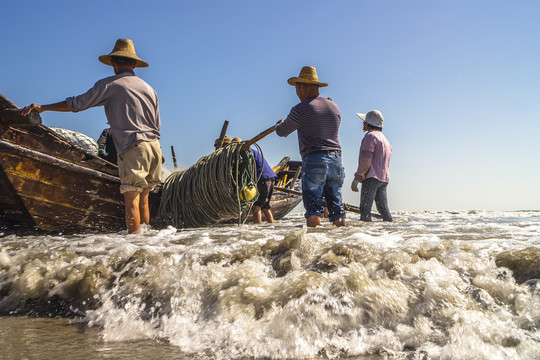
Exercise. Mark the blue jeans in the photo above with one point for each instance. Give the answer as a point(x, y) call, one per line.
point(322, 176)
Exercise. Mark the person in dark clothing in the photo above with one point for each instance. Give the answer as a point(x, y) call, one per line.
point(265, 186)
point(106, 148)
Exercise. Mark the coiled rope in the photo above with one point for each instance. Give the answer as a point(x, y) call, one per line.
point(212, 190)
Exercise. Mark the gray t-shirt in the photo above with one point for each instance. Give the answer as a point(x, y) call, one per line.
point(131, 107)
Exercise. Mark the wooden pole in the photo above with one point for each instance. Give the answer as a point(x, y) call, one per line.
point(222, 135)
point(347, 207)
point(174, 158)
point(259, 137)
point(289, 191)
point(296, 175)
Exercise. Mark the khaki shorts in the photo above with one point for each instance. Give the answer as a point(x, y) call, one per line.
point(140, 167)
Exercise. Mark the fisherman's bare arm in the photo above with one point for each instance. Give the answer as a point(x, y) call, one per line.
point(59, 106)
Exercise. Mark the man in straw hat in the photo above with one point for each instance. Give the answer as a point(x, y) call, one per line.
point(132, 110)
point(373, 163)
point(316, 120)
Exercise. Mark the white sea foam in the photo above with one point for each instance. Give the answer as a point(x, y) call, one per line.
point(439, 284)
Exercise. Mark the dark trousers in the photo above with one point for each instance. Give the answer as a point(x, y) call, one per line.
point(374, 190)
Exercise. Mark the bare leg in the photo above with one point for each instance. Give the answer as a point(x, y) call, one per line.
point(144, 208)
point(268, 215)
point(257, 216)
point(133, 216)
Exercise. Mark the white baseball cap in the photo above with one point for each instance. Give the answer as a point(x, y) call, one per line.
point(373, 118)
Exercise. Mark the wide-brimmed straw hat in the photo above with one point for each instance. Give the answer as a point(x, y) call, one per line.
point(308, 75)
point(123, 48)
point(373, 118)
point(226, 141)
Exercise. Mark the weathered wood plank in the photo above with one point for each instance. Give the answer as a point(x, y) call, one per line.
point(12, 210)
point(55, 217)
point(5, 103)
point(42, 140)
point(13, 117)
point(56, 192)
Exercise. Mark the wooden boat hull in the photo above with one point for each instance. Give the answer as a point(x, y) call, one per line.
point(52, 184)
point(282, 204)
point(289, 175)
point(60, 195)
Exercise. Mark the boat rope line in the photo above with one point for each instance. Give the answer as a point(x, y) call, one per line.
point(220, 186)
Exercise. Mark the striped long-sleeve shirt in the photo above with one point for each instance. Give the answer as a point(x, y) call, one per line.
point(317, 123)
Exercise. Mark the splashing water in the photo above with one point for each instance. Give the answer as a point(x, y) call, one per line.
point(430, 285)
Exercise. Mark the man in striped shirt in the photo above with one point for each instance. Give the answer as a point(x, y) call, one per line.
point(316, 120)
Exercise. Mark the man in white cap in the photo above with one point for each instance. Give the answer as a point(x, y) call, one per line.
point(132, 110)
point(316, 120)
point(373, 164)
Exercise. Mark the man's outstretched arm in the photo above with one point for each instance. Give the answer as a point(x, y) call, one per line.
point(59, 106)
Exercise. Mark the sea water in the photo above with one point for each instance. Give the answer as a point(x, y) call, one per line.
point(430, 285)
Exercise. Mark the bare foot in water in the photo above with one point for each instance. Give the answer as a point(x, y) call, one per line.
point(339, 222)
point(313, 221)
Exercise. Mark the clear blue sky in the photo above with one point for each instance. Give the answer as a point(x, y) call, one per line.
point(456, 81)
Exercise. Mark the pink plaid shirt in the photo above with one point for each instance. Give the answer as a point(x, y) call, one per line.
point(374, 157)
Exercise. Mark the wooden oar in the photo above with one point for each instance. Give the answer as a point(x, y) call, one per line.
point(265, 133)
point(347, 207)
point(222, 135)
point(175, 164)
